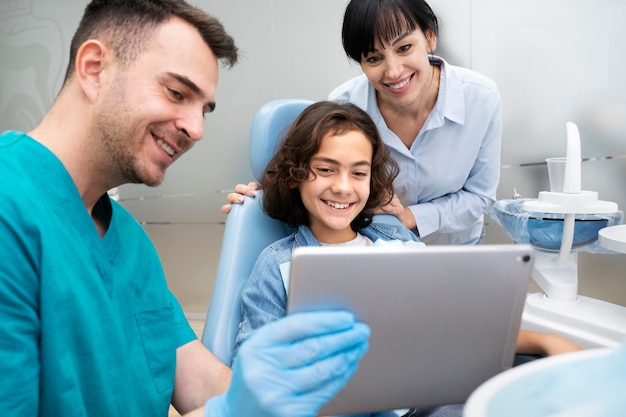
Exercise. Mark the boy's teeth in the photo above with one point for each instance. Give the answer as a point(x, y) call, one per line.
point(338, 205)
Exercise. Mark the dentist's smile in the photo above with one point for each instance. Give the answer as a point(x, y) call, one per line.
point(168, 149)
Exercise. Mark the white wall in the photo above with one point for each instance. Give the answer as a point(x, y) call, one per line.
point(554, 61)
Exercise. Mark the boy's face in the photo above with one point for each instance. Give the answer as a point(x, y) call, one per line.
point(338, 185)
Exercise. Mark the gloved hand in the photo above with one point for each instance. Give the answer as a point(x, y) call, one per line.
point(293, 366)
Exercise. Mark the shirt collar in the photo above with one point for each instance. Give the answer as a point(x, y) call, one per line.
point(304, 237)
point(451, 99)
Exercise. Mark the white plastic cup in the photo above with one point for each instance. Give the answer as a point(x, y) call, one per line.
point(556, 173)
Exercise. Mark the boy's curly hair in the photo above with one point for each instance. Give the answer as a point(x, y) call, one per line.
point(290, 166)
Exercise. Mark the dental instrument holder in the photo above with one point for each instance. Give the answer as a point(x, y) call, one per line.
point(587, 321)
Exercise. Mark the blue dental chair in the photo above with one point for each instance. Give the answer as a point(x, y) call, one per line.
point(248, 231)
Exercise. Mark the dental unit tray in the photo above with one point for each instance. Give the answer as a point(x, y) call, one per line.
point(559, 224)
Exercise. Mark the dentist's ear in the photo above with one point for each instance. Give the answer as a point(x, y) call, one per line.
point(93, 58)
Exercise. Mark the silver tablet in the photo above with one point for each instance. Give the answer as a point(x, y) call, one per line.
point(444, 319)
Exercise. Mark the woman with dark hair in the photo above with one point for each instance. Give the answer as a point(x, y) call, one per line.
point(441, 123)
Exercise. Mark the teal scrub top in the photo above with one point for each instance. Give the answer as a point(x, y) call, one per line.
point(88, 326)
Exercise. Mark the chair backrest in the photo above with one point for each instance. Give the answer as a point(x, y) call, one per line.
point(248, 231)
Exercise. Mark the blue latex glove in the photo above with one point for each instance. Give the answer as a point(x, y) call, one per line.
point(293, 366)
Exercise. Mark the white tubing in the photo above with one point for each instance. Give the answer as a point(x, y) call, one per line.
point(571, 181)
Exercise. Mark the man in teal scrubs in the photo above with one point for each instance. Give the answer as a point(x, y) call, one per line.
point(88, 326)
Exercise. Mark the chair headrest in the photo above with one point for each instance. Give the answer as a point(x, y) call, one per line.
point(268, 128)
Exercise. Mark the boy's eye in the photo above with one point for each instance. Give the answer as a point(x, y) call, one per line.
point(323, 170)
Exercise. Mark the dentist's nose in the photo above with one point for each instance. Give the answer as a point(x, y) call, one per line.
point(192, 124)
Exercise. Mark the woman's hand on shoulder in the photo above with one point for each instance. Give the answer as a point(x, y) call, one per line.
point(236, 197)
point(404, 214)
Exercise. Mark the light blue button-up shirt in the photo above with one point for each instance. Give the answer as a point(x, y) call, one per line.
point(449, 176)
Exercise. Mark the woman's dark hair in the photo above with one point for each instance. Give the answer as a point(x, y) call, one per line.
point(126, 25)
point(291, 164)
point(367, 21)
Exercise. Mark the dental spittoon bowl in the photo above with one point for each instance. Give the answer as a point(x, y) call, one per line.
point(589, 383)
point(545, 230)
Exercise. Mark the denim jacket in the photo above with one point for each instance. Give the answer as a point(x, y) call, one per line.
point(264, 297)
